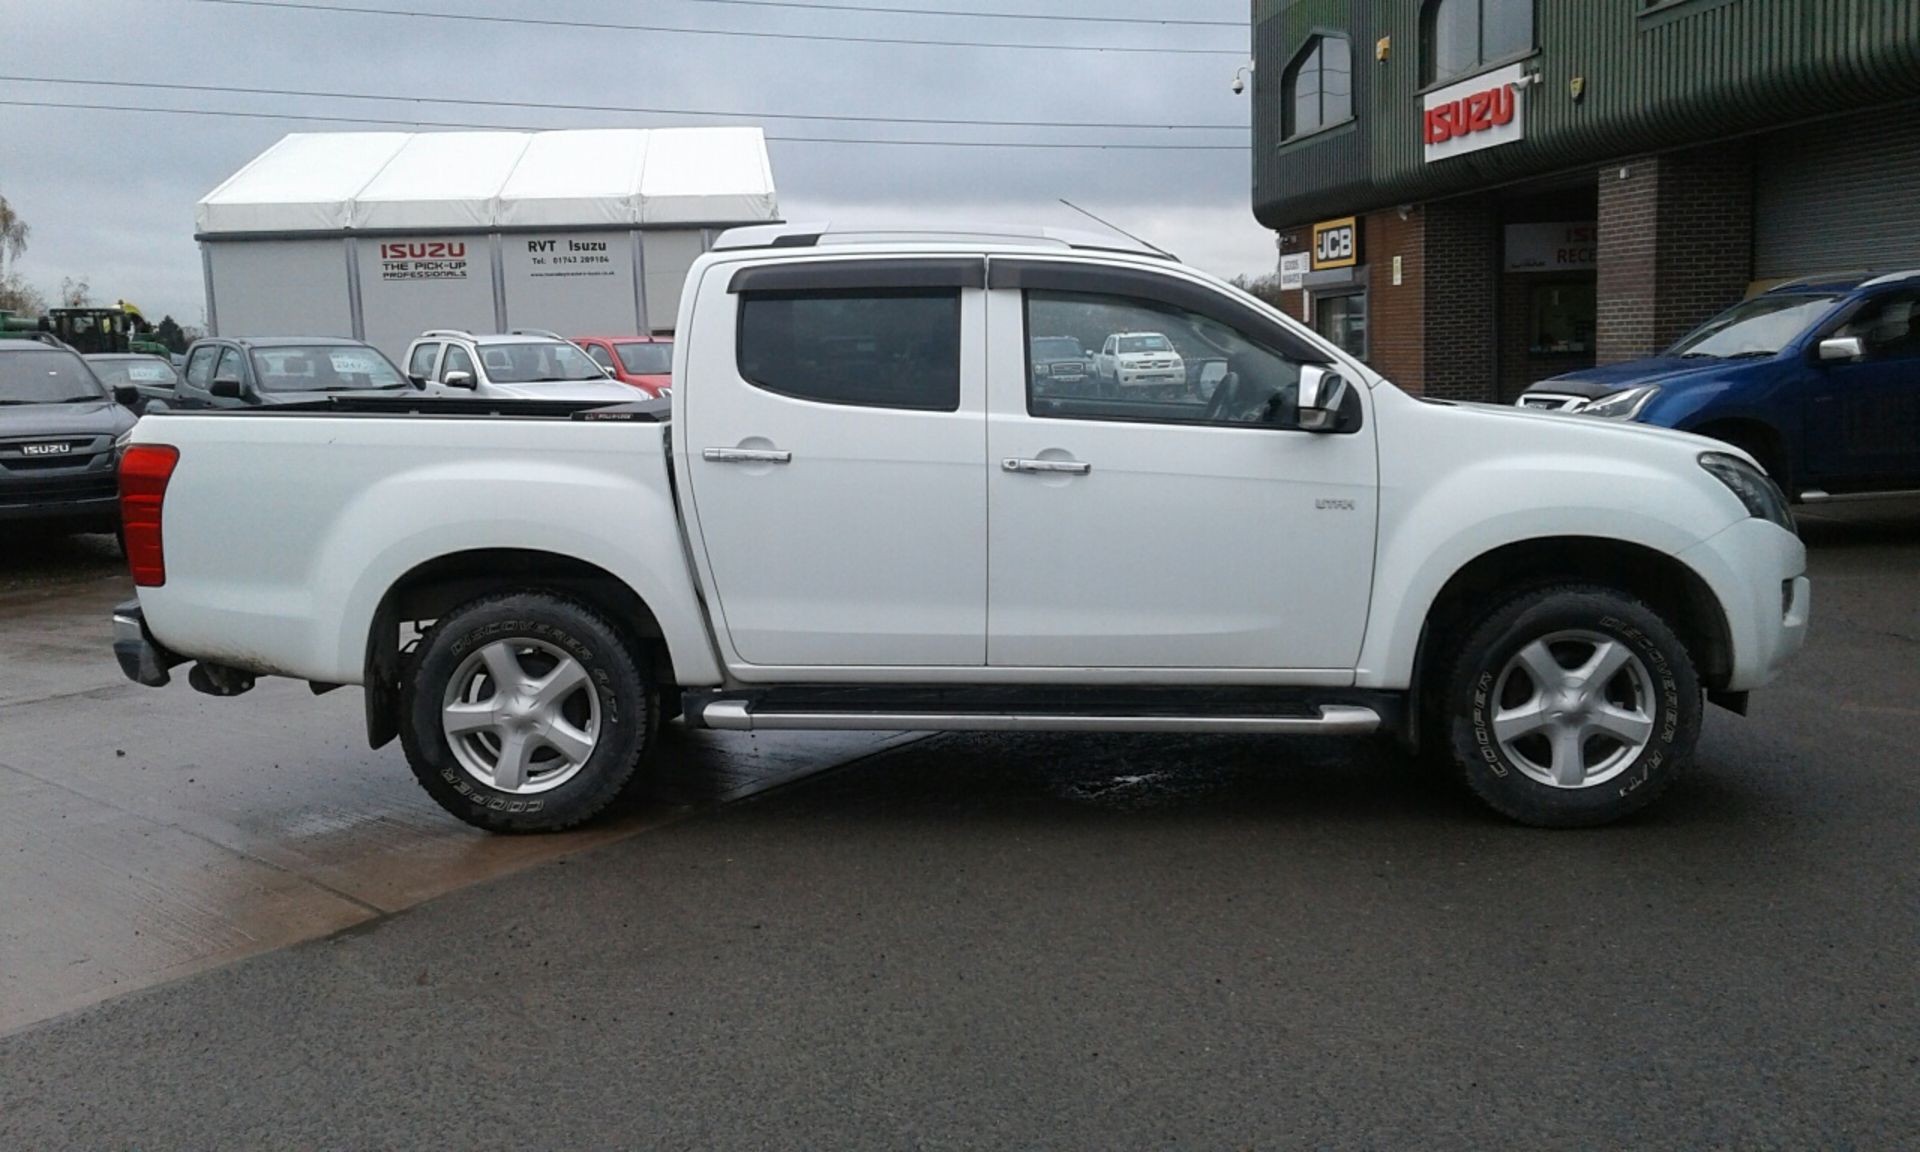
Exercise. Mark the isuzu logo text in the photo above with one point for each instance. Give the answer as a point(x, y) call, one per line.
point(46, 449)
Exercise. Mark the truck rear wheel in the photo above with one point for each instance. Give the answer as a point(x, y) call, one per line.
point(1572, 706)
point(526, 712)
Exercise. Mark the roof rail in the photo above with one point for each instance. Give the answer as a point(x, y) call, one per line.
point(538, 332)
point(1819, 278)
point(819, 235)
point(461, 333)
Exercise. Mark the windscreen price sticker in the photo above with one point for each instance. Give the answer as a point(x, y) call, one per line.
point(565, 256)
point(423, 260)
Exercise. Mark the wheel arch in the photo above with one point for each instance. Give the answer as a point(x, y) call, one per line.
point(1766, 442)
point(435, 587)
point(1680, 595)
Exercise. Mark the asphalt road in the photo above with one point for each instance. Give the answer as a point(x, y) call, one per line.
point(1105, 943)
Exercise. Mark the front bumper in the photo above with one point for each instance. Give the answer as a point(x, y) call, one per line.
point(1758, 571)
point(141, 657)
point(99, 510)
point(1153, 377)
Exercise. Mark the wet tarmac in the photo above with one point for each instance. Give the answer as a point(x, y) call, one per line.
point(1057, 941)
point(148, 834)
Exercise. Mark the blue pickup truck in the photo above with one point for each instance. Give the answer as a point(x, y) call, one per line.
point(1819, 379)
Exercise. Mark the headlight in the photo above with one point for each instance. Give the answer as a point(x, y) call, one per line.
point(1762, 496)
point(1623, 405)
point(1042, 370)
point(120, 443)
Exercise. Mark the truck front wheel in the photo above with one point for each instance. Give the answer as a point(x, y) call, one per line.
point(526, 712)
point(1572, 706)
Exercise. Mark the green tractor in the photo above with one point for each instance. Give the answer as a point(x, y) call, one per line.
point(93, 330)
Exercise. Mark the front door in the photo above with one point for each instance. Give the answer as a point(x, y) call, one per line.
point(1863, 418)
point(1189, 527)
point(837, 450)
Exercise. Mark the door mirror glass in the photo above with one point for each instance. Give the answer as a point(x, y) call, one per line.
point(1323, 392)
point(226, 386)
point(1842, 349)
point(459, 379)
point(1212, 372)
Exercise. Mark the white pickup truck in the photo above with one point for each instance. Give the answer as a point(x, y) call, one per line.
point(856, 512)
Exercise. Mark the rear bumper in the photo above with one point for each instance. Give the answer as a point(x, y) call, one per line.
point(141, 657)
point(1758, 571)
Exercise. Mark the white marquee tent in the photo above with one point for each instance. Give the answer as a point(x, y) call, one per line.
point(381, 235)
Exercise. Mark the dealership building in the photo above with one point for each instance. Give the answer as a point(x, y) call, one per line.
point(1474, 195)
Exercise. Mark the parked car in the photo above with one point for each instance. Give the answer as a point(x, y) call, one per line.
point(152, 377)
point(646, 362)
point(1819, 380)
point(59, 434)
point(263, 371)
point(1140, 359)
point(1060, 364)
point(520, 365)
point(872, 520)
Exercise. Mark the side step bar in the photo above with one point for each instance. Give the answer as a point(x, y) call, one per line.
point(1325, 720)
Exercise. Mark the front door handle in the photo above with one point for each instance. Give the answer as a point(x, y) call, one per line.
point(747, 456)
point(1060, 467)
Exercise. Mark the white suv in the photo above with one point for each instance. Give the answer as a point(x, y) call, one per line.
point(525, 364)
point(1140, 360)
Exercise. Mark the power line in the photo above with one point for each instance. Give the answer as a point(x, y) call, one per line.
point(873, 142)
point(605, 26)
point(1164, 22)
point(227, 89)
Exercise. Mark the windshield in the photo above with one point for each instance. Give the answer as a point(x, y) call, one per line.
point(147, 370)
point(1155, 343)
point(534, 361)
point(1057, 348)
point(323, 369)
point(646, 359)
point(49, 377)
point(1756, 328)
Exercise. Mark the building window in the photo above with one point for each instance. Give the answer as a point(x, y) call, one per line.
point(1342, 318)
point(1561, 319)
point(1318, 86)
point(1462, 36)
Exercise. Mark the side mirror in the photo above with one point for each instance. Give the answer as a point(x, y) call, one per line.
point(457, 379)
point(1322, 393)
point(1842, 349)
point(416, 381)
point(127, 396)
point(225, 387)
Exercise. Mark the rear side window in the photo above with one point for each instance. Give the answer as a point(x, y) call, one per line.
point(873, 348)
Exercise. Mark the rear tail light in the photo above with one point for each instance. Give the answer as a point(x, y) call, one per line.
point(144, 472)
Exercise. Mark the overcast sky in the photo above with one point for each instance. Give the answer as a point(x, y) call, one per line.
point(110, 195)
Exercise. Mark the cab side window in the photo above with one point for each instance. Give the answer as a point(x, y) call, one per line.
point(600, 356)
point(874, 348)
point(457, 361)
point(200, 366)
point(420, 364)
point(1165, 364)
point(1889, 327)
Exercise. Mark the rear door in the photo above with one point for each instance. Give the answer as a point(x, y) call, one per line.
point(1863, 418)
point(836, 447)
point(1189, 528)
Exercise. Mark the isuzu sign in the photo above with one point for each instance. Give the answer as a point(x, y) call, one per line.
point(423, 260)
point(1336, 243)
point(1482, 112)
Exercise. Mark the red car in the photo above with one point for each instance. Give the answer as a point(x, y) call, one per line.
point(646, 362)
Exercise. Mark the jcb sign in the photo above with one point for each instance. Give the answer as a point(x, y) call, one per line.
point(1336, 244)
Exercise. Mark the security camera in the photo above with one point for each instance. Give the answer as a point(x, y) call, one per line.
point(1239, 85)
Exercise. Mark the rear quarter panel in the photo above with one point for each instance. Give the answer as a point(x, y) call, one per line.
point(282, 534)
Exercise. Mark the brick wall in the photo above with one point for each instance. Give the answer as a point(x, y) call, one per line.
point(1676, 246)
point(1396, 316)
point(1460, 268)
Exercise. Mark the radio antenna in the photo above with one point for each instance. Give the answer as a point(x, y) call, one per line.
point(1112, 227)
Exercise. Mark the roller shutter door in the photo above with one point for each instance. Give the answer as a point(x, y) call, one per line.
point(1839, 196)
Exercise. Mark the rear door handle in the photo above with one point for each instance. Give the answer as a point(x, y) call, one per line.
point(1061, 467)
point(747, 456)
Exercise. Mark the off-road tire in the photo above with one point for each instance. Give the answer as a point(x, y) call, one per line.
point(629, 712)
point(1468, 708)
